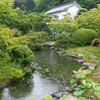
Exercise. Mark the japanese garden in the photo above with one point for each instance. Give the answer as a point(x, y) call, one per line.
point(43, 57)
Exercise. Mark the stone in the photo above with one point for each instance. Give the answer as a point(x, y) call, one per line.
point(59, 53)
point(69, 89)
point(79, 56)
point(89, 64)
point(82, 68)
point(70, 97)
point(64, 55)
point(65, 93)
point(80, 60)
point(57, 95)
point(98, 66)
point(51, 47)
point(61, 49)
point(56, 49)
point(73, 56)
point(92, 57)
point(74, 85)
point(74, 72)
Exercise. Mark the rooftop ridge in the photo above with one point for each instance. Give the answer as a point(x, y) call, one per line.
point(64, 4)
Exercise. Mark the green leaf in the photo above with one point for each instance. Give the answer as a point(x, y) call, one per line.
point(47, 97)
point(89, 80)
point(91, 67)
point(77, 88)
point(96, 88)
point(81, 98)
point(73, 80)
point(77, 93)
point(81, 86)
point(89, 71)
point(80, 75)
point(63, 98)
point(88, 85)
point(97, 94)
point(84, 72)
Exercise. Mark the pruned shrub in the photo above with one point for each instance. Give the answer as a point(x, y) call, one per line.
point(65, 41)
point(21, 54)
point(85, 36)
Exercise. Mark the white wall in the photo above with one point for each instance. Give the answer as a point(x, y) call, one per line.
point(72, 10)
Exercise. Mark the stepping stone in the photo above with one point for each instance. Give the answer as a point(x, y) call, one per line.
point(92, 57)
point(89, 64)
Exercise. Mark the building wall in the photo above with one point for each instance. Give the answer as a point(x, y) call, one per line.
point(72, 10)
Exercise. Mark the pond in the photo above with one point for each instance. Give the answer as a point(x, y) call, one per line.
point(53, 73)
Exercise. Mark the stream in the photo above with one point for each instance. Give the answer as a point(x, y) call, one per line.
point(53, 73)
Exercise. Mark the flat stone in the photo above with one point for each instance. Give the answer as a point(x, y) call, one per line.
point(61, 49)
point(70, 97)
point(82, 68)
point(59, 53)
point(73, 56)
point(80, 60)
point(65, 93)
point(56, 49)
point(64, 55)
point(51, 47)
point(89, 64)
point(92, 57)
point(57, 95)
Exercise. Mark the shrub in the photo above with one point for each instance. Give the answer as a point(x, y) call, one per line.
point(21, 54)
point(65, 41)
point(85, 36)
point(95, 42)
point(35, 46)
point(3, 43)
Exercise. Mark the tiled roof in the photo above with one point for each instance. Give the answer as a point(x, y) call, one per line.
point(62, 7)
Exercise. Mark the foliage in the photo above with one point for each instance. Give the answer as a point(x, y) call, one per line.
point(65, 41)
point(85, 36)
point(47, 97)
point(21, 54)
point(3, 43)
point(87, 84)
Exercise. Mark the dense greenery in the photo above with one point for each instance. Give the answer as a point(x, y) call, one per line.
point(44, 5)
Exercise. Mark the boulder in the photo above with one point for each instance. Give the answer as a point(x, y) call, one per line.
point(57, 95)
point(89, 64)
point(92, 57)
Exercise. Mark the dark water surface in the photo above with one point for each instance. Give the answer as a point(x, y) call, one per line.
point(53, 74)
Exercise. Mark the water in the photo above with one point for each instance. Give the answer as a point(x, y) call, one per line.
point(54, 74)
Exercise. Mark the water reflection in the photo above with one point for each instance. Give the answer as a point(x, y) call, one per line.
point(54, 75)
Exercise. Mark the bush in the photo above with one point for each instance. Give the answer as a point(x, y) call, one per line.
point(65, 41)
point(3, 43)
point(85, 36)
point(21, 54)
point(35, 46)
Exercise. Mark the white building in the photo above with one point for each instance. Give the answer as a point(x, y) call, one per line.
point(72, 7)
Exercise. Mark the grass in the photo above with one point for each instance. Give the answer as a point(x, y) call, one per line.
point(87, 50)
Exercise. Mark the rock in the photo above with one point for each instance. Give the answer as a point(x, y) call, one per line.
point(74, 72)
point(64, 55)
point(61, 49)
point(69, 89)
point(73, 56)
point(80, 60)
point(59, 53)
point(51, 47)
point(70, 97)
point(82, 68)
point(89, 64)
point(57, 94)
point(65, 93)
point(79, 56)
point(92, 57)
point(56, 49)
point(98, 66)
point(60, 90)
point(74, 85)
